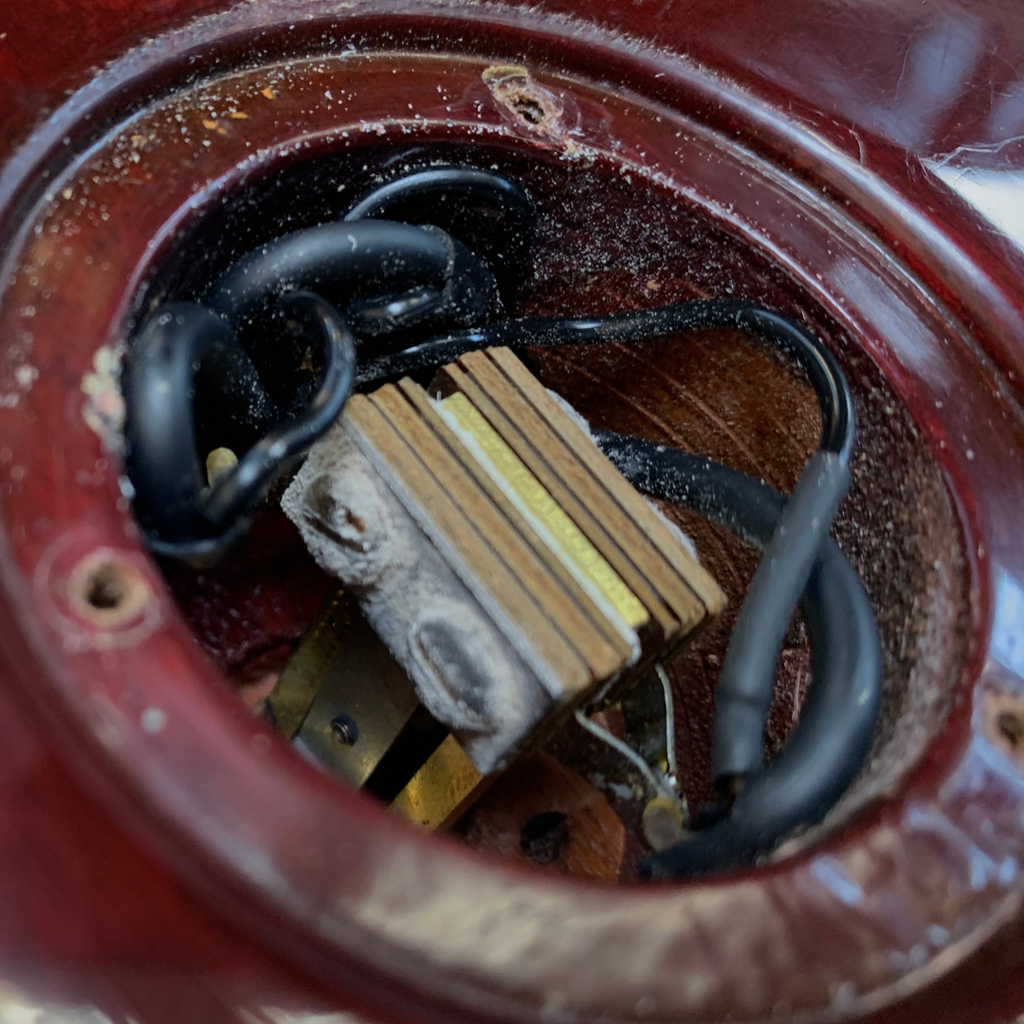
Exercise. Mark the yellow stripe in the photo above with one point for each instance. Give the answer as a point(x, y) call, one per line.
point(568, 540)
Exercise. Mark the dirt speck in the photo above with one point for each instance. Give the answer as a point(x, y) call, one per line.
point(103, 411)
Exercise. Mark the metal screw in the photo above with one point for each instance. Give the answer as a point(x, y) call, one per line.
point(344, 729)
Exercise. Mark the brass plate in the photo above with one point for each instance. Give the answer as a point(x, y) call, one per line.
point(366, 684)
point(290, 700)
point(442, 789)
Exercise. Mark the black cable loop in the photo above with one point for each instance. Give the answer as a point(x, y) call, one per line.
point(392, 277)
point(493, 216)
point(261, 464)
point(829, 743)
point(181, 515)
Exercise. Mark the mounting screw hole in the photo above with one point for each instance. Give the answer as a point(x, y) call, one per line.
point(106, 587)
point(1011, 728)
point(344, 730)
point(108, 591)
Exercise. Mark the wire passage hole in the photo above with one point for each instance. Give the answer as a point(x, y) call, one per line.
point(545, 836)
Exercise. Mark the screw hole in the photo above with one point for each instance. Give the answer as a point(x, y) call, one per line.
point(1011, 728)
point(107, 591)
point(106, 588)
point(544, 837)
point(529, 109)
point(344, 729)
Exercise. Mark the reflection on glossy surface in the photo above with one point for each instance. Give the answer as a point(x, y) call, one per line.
point(888, 84)
point(1007, 643)
point(17, 1007)
point(998, 195)
point(942, 80)
point(275, 1016)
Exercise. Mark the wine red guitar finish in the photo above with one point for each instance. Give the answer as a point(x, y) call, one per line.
point(163, 855)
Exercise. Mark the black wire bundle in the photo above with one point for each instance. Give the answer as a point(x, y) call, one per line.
point(396, 281)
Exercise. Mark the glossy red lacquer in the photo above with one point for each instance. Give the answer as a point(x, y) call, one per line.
point(162, 854)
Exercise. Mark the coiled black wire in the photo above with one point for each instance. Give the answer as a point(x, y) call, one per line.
point(192, 364)
point(181, 516)
point(837, 722)
point(394, 278)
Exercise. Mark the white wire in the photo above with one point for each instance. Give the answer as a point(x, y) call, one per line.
point(659, 785)
point(670, 724)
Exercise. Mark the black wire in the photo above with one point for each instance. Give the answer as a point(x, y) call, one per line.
point(190, 366)
point(493, 216)
point(157, 382)
point(180, 516)
point(256, 470)
point(358, 260)
point(832, 738)
point(838, 421)
point(743, 696)
point(393, 277)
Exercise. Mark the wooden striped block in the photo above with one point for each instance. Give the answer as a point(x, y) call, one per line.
point(535, 521)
